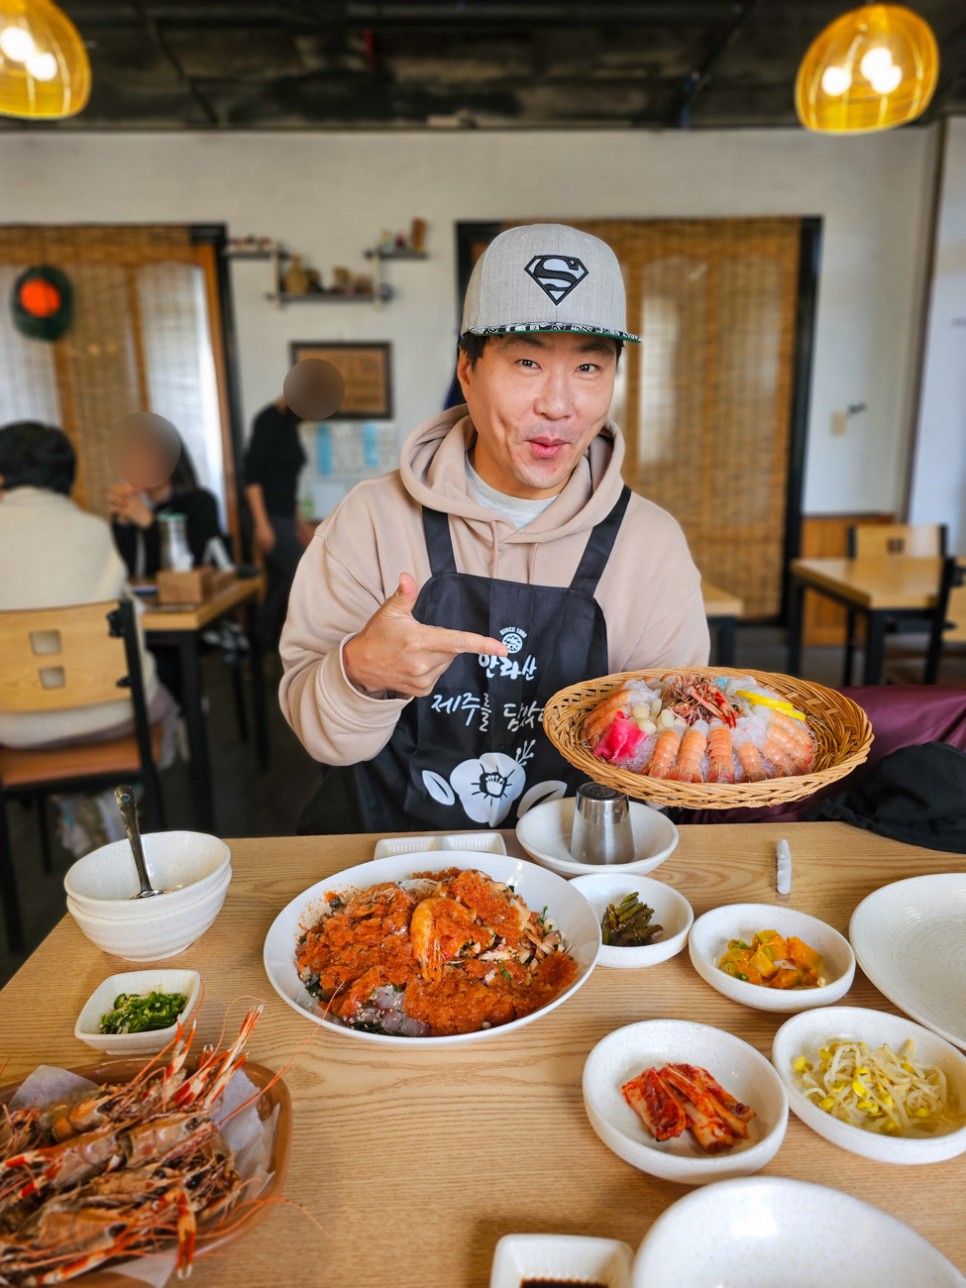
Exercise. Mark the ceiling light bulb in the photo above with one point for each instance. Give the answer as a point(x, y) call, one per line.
point(885, 82)
point(876, 63)
point(42, 67)
point(16, 44)
point(835, 81)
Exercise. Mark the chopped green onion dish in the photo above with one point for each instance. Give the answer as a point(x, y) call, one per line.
point(134, 1013)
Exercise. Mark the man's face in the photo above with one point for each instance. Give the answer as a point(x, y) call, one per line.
point(536, 402)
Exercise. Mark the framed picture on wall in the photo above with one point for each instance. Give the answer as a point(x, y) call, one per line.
point(364, 366)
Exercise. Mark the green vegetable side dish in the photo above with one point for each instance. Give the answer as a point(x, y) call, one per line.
point(628, 924)
point(134, 1013)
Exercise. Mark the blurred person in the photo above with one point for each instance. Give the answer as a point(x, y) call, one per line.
point(135, 511)
point(273, 461)
point(440, 607)
point(54, 554)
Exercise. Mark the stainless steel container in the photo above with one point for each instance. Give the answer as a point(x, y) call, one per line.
point(602, 830)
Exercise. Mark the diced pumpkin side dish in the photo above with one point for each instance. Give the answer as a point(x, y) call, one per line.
point(773, 961)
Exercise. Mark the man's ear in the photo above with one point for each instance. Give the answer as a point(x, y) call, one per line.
point(464, 372)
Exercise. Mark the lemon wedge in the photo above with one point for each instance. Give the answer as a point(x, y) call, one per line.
point(777, 704)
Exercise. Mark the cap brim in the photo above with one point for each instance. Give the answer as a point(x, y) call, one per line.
point(538, 328)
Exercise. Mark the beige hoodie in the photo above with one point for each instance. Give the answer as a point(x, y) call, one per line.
point(650, 592)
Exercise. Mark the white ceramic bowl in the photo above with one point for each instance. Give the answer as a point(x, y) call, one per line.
point(738, 1067)
point(568, 908)
point(560, 1258)
point(671, 910)
point(544, 832)
point(185, 864)
point(101, 1001)
point(771, 1230)
point(805, 1033)
point(709, 939)
point(151, 938)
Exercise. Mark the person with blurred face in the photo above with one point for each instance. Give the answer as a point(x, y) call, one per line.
point(440, 607)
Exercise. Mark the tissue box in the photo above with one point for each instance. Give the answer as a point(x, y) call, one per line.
point(192, 587)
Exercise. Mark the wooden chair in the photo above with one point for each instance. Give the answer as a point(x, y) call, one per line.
point(54, 660)
point(871, 540)
point(949, 626)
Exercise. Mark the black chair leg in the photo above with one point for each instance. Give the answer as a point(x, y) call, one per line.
point(8, 886)
point(849, 647)
point(45, 858)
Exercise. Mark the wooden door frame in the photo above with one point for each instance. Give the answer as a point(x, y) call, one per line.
point(227, 368)
point(469, 233)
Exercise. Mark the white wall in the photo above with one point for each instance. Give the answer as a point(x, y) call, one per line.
point(329, 195)
point(939, 469)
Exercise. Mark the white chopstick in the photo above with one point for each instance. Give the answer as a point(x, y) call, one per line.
point(783, 868)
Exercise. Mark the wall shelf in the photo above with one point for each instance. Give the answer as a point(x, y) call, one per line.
point(333, 297)
point(400, 253)
point(257, 254)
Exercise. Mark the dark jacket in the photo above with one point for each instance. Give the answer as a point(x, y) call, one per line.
point(201, 512)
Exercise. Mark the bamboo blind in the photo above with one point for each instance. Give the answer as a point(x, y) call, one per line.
point(98, 371)
point(708, 391)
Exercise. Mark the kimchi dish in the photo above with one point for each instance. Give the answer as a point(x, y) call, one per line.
point(436, 954)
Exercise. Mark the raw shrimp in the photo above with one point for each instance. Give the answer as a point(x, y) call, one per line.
point(665, 750)
point(752, 770)
point(781, 749)
point(721, 769)
point(598, 721)
point(687, 767)
point(794, 739)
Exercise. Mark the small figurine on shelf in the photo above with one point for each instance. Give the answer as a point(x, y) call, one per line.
point(400, 241)
point(315, 282)
point(386, 242)
point(341, 280)
point(417, 237)
point(296, 279)
point(362, 284)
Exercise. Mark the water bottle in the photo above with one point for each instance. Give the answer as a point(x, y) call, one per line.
point(175, 551)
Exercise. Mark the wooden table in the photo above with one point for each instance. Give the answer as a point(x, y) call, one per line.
point(878, 589)
point(722, 610)
point(414, 1163)
point(179, 626)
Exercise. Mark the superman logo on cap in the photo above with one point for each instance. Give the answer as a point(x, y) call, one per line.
point(556, 275)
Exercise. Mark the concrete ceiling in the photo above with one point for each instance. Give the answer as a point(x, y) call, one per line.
point(505, 64)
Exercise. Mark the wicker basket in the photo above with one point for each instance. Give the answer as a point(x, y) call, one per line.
point(840, 727)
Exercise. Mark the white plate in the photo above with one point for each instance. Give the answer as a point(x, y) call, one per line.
point(709, 939)
point(568, 1258)
point(739, 1068)
point(792, 1234)
point(489, 842)
point(910, 939)
point(671, 910)
point(569, 909)
point(544, 832)
point(805, 1033)
point(101, 1001)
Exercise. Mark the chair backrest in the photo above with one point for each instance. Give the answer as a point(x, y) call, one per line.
point(921, 540)
point(954, 631)
point(56, 659)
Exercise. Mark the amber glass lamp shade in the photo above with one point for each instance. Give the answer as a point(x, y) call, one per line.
point(44, 70)
point(872, 69)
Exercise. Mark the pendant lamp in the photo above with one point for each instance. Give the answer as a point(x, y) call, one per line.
point(44, 70)
point(874, 68)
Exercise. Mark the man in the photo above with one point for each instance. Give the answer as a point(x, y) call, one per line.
point(273, 461)
point(439, 608)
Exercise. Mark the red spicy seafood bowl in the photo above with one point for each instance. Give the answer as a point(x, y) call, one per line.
point(433, 949)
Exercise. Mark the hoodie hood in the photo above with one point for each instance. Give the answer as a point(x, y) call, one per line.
point(433, 471)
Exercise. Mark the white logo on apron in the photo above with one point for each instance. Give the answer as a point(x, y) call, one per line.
point(487, 785)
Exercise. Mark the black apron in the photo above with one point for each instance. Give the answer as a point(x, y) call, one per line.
point(473, 753)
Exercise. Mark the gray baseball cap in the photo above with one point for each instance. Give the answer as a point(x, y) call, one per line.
point(546, 277)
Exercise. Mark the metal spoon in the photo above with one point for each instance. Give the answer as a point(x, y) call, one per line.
point(129, 813)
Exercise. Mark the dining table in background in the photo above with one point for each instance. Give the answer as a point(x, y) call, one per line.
point(878, 588)
point(409, 1164)
point(722, 609)
point(180, 626)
